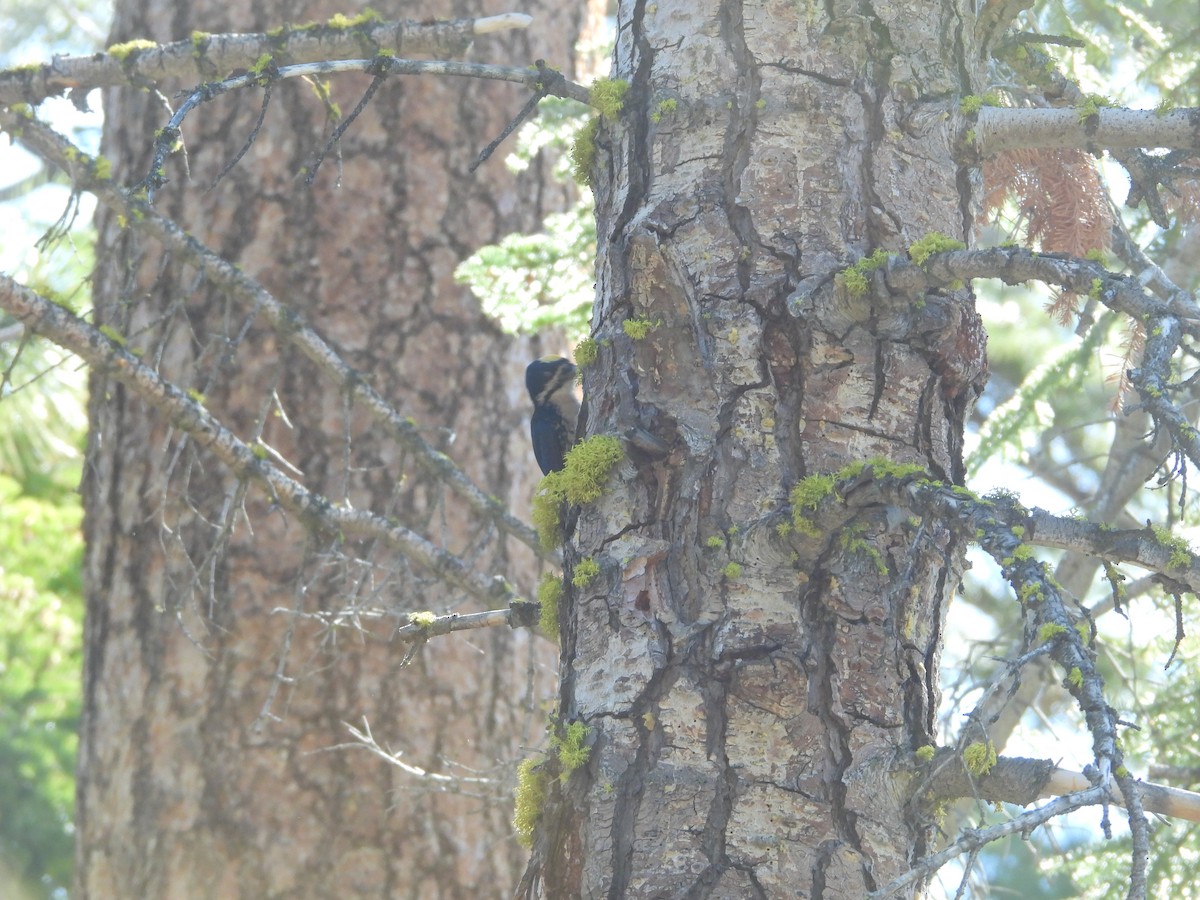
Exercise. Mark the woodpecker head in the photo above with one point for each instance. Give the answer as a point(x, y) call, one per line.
point(548, 375)
point(551, 385)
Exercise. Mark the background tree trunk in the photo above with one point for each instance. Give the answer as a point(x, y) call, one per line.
point(206, 711)
point(747, 689)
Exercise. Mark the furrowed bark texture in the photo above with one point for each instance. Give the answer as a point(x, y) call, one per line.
point(202, 771)
point(744, 716)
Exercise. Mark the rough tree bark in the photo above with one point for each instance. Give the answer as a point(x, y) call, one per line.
point(749, 679)
point(200, 768)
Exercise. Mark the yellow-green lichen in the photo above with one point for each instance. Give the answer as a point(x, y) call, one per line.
point(665, 108)
point(261, 64)
point(586, 352)
point(608, 96)
point(732, 571)
point(529, 798)
point(123, 51)
point(980, 757)
point(972, 103)
point(199, 43)
point(113, 335)
point(715, 541)
point(1091, 106)
point(1181, 553)
point(932, 243)
point(423, 619)
point(852, 541)
point(925, 754)
point(881, 467)
point(1075, 677)
point(806, 496)
point(583, 152)
point(549, 593)
point(342, 22)
point(1049, 631)
point(1030, 592)
point(570, 746)
point(638, 327)
point(855, 280)
point(648, 720)
point(585, 572)
point(581, 480)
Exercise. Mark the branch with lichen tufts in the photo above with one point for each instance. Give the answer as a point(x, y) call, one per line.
point(134, 63)
point(89, 174)
point(247, 462)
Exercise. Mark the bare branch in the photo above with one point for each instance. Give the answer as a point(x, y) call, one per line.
point(69, 331)
point(540, 79)
point(973, 839)
point(422, 626)
point(998, 128)
point(87, 174)
point(207, 55)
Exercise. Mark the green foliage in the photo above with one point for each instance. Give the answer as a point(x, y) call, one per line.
point(529, 282)
point(41, 610)
point(1029, 410)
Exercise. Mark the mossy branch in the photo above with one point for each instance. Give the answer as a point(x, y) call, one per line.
point(85, 173)
point(207, 55)
point(316, 511)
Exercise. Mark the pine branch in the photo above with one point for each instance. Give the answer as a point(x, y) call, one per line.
point(87, 174)
point(1021, 781)
point(974, 839)
point(998, 129)
point(188, 415)
point(207, 55)
point(541, 79)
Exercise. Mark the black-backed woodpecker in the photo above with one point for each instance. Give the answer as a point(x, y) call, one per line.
point(551, 384)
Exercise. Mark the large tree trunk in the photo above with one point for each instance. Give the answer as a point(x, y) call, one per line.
point(225, 646)
point(744, 717)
